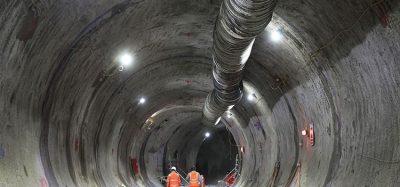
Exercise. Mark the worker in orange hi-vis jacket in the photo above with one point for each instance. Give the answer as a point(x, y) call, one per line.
point(173, 179)
point(194, 178)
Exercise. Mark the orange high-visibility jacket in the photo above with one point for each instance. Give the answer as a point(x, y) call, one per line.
point(194, 179)
point(173, 180)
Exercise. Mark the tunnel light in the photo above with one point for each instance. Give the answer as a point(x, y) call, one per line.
point(142, 100)
point(125, 59)
point(276, 36)
point(303, 132)
point(207, 134)
point(242, 149)
point(251, 97)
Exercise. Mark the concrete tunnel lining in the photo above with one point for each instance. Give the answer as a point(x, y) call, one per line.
point(63, 126)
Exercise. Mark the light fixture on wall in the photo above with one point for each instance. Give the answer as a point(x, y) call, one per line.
point(142, 100)
point(276, 35)
point(125, 59)
point(242, 149)
point(251, 97)
point(309, 132)
point(120, 63)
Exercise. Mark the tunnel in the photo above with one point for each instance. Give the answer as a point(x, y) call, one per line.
point(112, 93)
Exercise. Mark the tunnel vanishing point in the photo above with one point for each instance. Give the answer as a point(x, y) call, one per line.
point(114, 92)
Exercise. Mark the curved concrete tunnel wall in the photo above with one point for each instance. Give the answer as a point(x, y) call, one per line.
point(68, 119)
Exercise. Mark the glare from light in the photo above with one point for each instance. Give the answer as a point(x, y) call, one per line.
point(229, 115)
point(218, 120)
point(276, 36)
point(126, 59)
point(142, 100)
point(303, 132)
point(207, 134)
point(251, 97)
point(246, 54)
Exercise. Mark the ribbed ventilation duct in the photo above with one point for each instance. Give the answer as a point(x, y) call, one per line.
point(239, 22)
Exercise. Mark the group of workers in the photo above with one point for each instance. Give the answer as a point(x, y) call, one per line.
point(193, 178)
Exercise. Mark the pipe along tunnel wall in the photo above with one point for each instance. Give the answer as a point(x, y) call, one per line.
point(70, 118)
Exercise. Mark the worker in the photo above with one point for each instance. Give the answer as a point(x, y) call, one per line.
point(229, 178)
point(194, 178)
point(173, 179)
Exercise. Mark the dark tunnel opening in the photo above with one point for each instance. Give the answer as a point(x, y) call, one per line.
point(216, 156)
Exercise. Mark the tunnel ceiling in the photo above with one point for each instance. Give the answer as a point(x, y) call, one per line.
point(70, 117)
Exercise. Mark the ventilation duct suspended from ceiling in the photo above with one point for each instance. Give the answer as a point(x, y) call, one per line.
point(238, 23)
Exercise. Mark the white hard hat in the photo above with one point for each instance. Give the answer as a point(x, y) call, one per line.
point(173, 168)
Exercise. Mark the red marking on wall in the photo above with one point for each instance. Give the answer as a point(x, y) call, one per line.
point(311, 134)
point(43, 182)
point(385, 20)
point(135, 167)
point(76, 145)
point(29, 25)
point(382, 11)
point(188, 81)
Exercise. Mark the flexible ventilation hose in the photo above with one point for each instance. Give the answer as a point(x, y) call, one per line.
point(238, 23)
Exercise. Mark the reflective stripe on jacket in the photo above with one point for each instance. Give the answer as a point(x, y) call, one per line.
point(173, 180)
